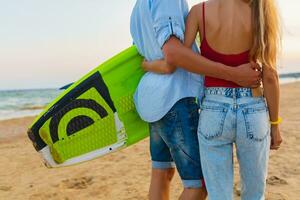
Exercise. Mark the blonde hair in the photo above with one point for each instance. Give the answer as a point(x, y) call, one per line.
point(267, 33)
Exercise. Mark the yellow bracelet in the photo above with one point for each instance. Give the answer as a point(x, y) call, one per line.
point(276, 122)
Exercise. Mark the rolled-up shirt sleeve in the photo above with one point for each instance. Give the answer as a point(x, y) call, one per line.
point(168, 19)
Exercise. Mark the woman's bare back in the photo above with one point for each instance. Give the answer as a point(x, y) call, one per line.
point(228, 27)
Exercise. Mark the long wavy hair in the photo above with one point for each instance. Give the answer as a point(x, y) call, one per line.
point(266, 32)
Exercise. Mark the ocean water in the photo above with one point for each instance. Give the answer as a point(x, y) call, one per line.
point(289, 77)
point(21, 103)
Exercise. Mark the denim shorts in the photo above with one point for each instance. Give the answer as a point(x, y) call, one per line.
point(234, 116)
point(174, 141)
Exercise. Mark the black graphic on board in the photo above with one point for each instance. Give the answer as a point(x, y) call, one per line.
point(76, 122)
point(95, 81)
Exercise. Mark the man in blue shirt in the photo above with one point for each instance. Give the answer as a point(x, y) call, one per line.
point(167, 101)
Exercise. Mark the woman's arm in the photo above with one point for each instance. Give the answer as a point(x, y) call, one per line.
point(191, 27)
point(271, 92)
point(158, 66)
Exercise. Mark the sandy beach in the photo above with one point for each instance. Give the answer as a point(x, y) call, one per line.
point(126, 174)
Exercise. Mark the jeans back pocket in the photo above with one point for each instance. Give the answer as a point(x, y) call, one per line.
point(211, 120)
point(257, 122)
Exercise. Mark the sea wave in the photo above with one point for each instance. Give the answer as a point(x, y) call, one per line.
point(33, 107)
point(21, 103)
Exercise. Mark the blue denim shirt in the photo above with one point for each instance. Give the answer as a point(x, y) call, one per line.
point(153, 22)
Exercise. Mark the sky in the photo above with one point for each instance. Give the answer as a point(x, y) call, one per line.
point(47, 44)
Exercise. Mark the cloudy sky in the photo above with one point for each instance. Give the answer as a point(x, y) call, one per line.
point(46, 44)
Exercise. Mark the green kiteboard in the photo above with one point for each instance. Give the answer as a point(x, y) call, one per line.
point(94, 116)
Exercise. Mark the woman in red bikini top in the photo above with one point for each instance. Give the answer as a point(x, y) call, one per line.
point(234, 32)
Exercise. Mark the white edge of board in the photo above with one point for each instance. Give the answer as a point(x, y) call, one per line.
point(50, 163)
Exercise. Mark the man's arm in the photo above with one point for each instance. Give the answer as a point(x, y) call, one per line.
point(177, 54)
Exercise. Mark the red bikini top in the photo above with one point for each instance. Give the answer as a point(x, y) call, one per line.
point(233, 60)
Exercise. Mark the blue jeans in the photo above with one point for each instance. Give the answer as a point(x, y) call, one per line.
point(233, 116)
point(174, 139)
